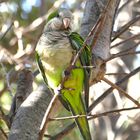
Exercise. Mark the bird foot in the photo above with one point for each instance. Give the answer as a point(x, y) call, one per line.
point(58, 89)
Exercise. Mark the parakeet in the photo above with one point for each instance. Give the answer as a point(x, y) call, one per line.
point(55, 51)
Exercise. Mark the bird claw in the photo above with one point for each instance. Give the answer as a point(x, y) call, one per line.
point(58, 89)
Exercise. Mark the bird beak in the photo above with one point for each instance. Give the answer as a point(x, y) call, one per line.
point(66, 22)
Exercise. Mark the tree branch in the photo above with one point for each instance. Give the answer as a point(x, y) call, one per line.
point(27, 112)
point(30, 115)
point(101, 49)
point(124, 41)
point(107, 92)
point(107, 113)
point(125, 27)
point(46, 116)
point(121, 91)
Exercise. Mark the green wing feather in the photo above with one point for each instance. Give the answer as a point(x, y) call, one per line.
point(77, 43)
point(41, 68)
point(42, 71)
point(85, 57)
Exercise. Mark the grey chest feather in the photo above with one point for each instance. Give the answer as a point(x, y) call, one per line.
point(56, 54)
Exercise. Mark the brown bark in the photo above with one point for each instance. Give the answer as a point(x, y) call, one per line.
point(101, 50)
point(27, 121)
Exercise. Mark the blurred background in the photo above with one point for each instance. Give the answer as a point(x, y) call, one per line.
point(21, 24)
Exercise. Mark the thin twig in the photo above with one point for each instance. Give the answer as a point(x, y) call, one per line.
point(123, 54)
point(124, 41)
point(4, 133)
point(101, 21)
point(128, 53)
point(124, 5)
point(121, 91)
point(86, 40)
point(95, 30)
point(129, 49)
point(10, 57)
point(71, 126)
point(37, 22)
point(46, 116)
point(107, 92)
point(8, 29)
point(125, 27)
point(67, 117)
point(112, 112)
point(120, 73)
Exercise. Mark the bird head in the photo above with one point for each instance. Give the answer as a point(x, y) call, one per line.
point(62, 20)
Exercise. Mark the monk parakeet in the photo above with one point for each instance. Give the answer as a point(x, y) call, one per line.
point(55, 51)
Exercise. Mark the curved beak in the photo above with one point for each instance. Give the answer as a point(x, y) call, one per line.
point(66, 22)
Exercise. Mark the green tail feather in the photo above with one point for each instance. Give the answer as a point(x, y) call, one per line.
point(77, 108)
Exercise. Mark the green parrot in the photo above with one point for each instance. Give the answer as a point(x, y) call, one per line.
point(55, 51)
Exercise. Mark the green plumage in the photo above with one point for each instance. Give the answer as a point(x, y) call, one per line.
point(55, 51)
